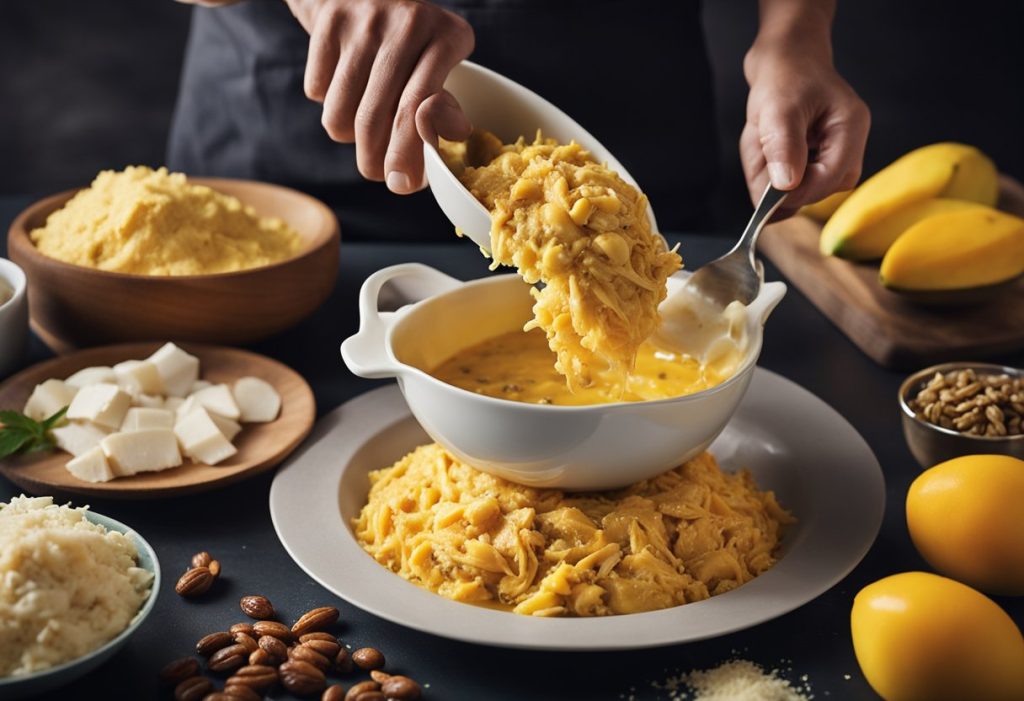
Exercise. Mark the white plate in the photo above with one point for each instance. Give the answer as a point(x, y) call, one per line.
point(794, 443)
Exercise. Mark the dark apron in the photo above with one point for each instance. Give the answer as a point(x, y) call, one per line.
point(634, 73)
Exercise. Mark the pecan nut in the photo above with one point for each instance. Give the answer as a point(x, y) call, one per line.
point(209, 644)
point(308, 654)
point(255, 676)
point(228, 658)
point(272, 628)
point(301, 677)
point(195, 582)
point(258, 607)
point(178, 671)
point(316, 619)
point(192, 689)
point(274, 647)
point(368, 658)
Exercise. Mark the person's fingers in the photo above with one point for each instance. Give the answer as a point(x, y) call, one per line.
point(756, 173)
point(842, 137)
point(782, 132)
point(753, 162)
point(403, 164)
point(324, 49)
point(440, 115)
point(346, 89)
point(376, 113)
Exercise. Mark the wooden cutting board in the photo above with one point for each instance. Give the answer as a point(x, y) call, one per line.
point(894, 332)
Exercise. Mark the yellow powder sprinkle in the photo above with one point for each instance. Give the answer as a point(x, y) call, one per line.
point(151, 222)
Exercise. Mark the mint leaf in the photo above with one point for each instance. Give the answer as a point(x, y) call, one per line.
point(12, 440)
point(14, 419)
point(20, 433)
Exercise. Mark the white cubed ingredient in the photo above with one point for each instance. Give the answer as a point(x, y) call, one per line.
point(148, 401)
point(91, 466)
point(78, 437)
point(48, 398)
point(201, 439)
point(198, 385)
point(92, 376)
point(139, 377)
point(229, 427)
point(103, 404)
point(178, 369)
point(132, 452)
point(186, 406)
point(173, 403)
point(257, 399)
point(140, 419)
point(219, 400)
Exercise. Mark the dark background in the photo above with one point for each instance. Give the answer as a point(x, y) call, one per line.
point(91, 84)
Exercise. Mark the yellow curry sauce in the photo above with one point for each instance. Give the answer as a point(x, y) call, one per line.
point(520, 366)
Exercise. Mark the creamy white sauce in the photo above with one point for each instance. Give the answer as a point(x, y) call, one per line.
point(693, 326)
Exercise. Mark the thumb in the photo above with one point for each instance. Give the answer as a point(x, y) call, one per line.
point(441, 115)
point(783, 135)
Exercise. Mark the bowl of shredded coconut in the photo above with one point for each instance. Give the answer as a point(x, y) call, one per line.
point(74, 586)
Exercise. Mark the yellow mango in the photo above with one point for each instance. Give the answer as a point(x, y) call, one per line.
point(969, 248)
point(823, 209)
point(921, 637)
point(965, 518)
point(874, 240)
point(949, 170)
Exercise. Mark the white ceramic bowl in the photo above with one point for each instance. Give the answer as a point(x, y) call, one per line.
point(13, 318)
point(590, 447)
point(507, 109)
point(28, 685)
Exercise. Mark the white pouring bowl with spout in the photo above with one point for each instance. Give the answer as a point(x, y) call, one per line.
point(593, 447)
point(508, 110)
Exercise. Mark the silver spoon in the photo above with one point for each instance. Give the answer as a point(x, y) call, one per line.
point(691, 317)
point(735, 275)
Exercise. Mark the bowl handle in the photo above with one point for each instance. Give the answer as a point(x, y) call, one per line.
point(769, 297)
point(368, 353)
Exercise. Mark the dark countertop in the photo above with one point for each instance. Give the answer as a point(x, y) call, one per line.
point(234, 524)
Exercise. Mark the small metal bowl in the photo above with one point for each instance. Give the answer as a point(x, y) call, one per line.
point(931, 444)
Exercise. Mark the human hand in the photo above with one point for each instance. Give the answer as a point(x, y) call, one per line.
point(806, 128)
point(378, 67)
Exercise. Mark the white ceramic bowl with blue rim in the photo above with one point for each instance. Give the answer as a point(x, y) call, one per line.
point(602, 446)
point(25, 686)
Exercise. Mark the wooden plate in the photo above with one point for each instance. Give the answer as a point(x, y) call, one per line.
point(261, 446)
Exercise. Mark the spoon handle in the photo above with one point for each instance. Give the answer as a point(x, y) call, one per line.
point(771, 200)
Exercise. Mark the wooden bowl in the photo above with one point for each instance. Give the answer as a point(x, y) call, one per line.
point(73, 306)
point(261, 446)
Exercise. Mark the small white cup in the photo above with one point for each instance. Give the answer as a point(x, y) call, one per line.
point(13, 318)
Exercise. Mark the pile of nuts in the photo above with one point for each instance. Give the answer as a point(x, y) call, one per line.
point(977, 405)
point(261, 655)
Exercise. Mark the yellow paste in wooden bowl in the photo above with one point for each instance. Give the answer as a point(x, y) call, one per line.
point(519, 366)
point(683, 536)
point(564, 219)
point(142, 221)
